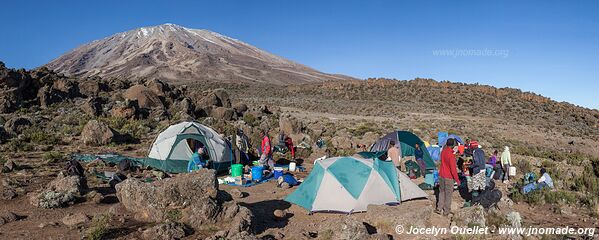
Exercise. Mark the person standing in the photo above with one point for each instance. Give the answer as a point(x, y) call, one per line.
point(447, 175)
point(419, 155)
point(266, 150)
point(289, 144)
point(478, 172)
point(395, 156)
point(506, 162)
point(492, 160)
point(242, 144)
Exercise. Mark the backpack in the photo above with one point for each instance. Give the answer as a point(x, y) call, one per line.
point(74, 168)
point(498, 173)
point(489, 198)
point(125, 165)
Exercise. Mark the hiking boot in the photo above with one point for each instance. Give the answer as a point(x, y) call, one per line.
point(437, 211)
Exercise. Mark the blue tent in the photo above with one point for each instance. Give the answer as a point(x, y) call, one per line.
point(435, 152)
point(456, 137)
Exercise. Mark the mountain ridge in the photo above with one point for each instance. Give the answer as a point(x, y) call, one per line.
point(181, 55)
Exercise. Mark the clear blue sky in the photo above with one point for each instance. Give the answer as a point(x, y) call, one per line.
point(548, 47)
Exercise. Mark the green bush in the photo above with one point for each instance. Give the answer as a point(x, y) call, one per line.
point(496, 219)
point(587, 182)
point(99, 227)
point(53, 157)
point(250, 119)
point(17, 145)
point(362, 129)
point(174, 215)
point(39, 136)
point(559, 196)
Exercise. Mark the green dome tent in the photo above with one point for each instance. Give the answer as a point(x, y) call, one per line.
point(407, 142)
point(171, 151)
point(350, 184)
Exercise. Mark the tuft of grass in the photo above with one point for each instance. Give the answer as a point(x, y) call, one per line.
point(18, 145)
point(39, 136)
point(174, 215)
point(496, 219)
point(99, 227)
point(326, 234)
point(250, 119)
point(53, 157)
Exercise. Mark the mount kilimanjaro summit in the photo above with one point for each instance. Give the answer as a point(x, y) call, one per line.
point(183, 55)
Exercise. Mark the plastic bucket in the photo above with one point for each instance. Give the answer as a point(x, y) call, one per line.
point(278, 172)
point(236, 170)
point(292, 166)
point(257, 173)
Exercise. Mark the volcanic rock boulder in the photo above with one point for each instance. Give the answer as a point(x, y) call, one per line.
point(90, 88)
point(384, 218)
point(240, 109)
point(165, 231)
point(469, 216)
point(187, 198)
point(145, 97)
point(96, 133)
point(223, 113)
point(289, 125)
point(216, 98)
point(66, 87)
point(158, 87)
point(60, 192)
point(17, 125)
point(16, 86)
point(9, 166)
point(128, 109)
point(92, 106)
point(351, 229)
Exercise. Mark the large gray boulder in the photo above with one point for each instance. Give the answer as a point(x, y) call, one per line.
point(96, 133)
point(128, 109)
point(289, 125)
point(165, 231)
point(60, 192)
point(215, 98)
point(189, 198)
point(351, 229)
point(223, 113)
point(413, 213)
point(90, 88)
point(468, 217)
point(92, 106)
point(145, 96)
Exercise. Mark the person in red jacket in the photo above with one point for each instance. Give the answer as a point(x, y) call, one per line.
point(266, 150)
point(448, 173)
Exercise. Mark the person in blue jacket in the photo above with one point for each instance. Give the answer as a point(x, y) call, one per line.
point(196, 163)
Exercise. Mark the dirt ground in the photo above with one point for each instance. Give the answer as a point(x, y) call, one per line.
point(262, 200)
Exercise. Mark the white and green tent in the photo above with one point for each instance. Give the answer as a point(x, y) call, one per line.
point(171, 152)
point(350, 184)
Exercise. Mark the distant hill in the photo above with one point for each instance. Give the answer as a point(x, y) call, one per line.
point(182, 55)
point(502, 114)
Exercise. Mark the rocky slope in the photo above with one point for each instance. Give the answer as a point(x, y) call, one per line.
point(178, 54)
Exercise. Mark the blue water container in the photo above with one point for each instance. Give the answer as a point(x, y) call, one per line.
point(257, 173)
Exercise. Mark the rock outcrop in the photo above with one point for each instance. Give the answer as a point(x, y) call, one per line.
point(186, 198)
point(96, 133)
point(60, 192)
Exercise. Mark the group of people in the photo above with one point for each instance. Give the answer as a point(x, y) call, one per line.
point(470, 160)
point(394, 154)
point(242, 150)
